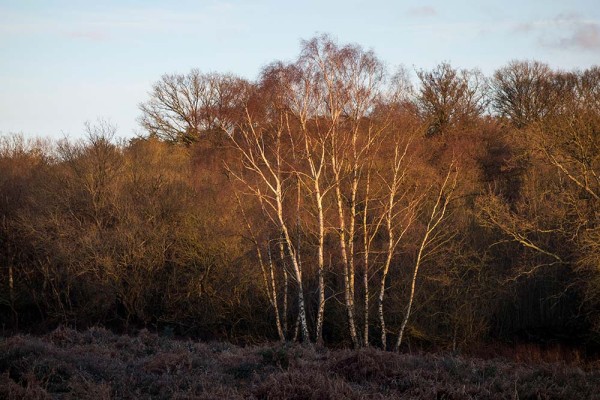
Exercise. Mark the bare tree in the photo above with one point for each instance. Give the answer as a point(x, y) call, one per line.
point(21, 160)
point(263, 155)
point(430, 236)
point(556, 220)
point(450, 98)
point(398, 214)
point(185, 108)
point(268, 273)
point(302, 100)
point(351, 81)
point(524, 92)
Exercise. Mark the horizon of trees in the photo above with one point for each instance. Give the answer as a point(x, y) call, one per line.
point(329, 201)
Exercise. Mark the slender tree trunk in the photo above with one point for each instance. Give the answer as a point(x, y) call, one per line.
point(386, 268)
point(270, 173)
point(393, 239)
point(412, 292)
point(285, 302)
point(297, 272)
point(352, 227)
point(316, 166)
point(349, 300)
point(275, 302)
point(437, 215)
point(285, 286)
point(296, 329)
point(295, 255)
point(366, 250)
point(351, 233)
point(270, 284)
point(366, 270)
point(321, 309)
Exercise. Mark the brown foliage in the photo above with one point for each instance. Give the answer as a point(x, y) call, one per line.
point(341, 167)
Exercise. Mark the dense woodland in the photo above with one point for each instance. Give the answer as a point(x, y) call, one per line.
point(330, 201)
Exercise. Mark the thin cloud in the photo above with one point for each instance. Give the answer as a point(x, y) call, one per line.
point(424, 11)
point(94, 36)
point(566, 31)
point(92, 25)
point(567, 17)
point(585, 37)
point(523, 27)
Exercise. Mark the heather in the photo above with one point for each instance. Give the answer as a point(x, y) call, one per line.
point(98, 364)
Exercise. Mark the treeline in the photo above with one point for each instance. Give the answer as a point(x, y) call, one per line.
point(328, 201)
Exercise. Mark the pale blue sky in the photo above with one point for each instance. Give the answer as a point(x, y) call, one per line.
point(66, 62)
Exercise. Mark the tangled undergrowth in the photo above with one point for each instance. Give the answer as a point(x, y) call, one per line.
point(97, 364)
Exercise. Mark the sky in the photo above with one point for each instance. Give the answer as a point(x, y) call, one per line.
point(63, 63)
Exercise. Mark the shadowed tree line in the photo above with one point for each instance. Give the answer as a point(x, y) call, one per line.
point(329, 201)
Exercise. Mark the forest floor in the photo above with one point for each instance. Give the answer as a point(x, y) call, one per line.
point(97, 364)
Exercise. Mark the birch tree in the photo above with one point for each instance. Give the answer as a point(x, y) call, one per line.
point(303, 98)
point(261, 147)
point(398, 216)
point(430, 239)
point(351, 80)
point(268, 273)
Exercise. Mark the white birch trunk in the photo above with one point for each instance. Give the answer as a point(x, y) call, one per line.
point(437, 215)
point(320, 271)
point(275, 302)
point(366, 266)
point(285, 287)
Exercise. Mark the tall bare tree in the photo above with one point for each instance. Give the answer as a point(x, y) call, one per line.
point(351, 81)
point(432, 237)
point(448, 98)
point(524, 92)
point(186, 108)
point(264, 156)
point(399, 212)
